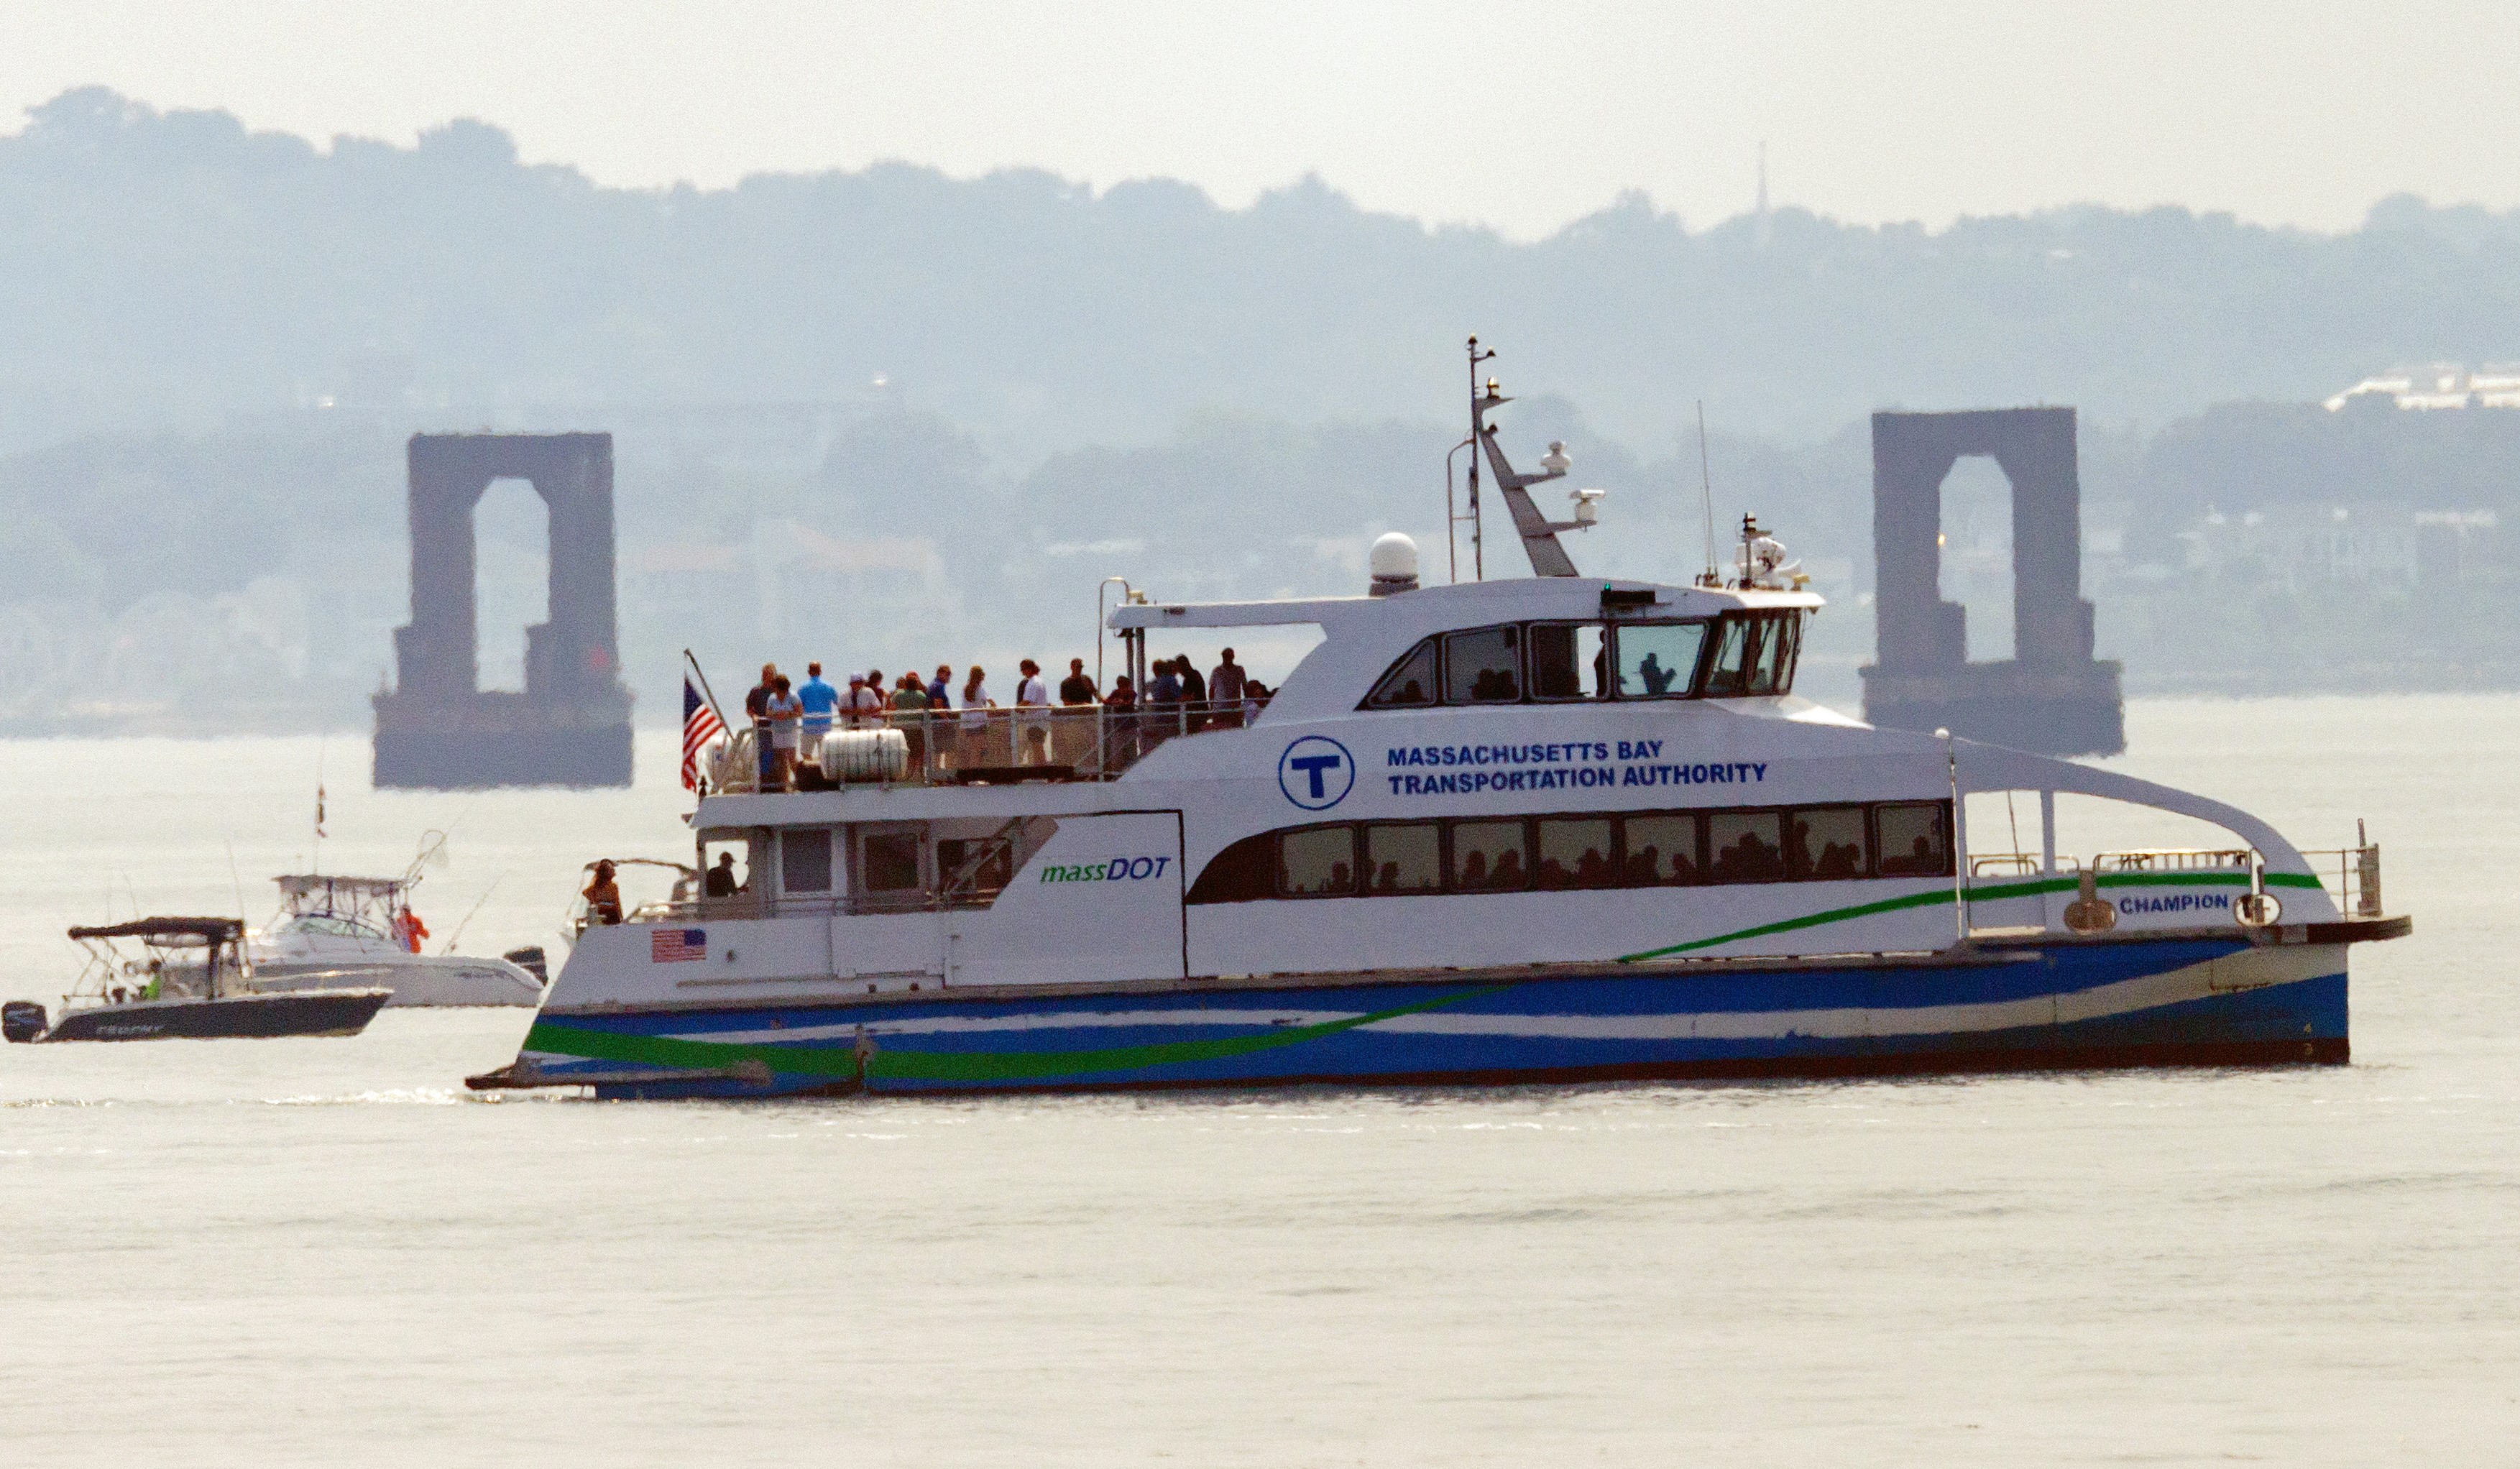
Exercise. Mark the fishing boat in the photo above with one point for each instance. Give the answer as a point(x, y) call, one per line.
point(336, 929)
point(1550, 828)
point(189, 979)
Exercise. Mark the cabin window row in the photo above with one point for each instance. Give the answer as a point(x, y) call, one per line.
point(1737, 655)
point(1575, 852)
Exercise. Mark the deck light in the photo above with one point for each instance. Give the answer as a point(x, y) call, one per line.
point(1556, 461)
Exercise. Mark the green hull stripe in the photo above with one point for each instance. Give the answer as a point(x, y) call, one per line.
point(1990, 894)
point(551, 1038)
point(881, 1065)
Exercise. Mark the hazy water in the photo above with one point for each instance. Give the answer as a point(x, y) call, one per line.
point(324, 1252)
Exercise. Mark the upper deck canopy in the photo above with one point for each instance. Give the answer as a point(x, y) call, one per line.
point(210, 930)
point(1475, 601)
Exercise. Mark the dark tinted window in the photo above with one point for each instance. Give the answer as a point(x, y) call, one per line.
point(1658, 659)
point(1403, 858)
point(1317, 863)
point(1745, 846)
point(1483, 666)
point(1410, 683)
point(1911, 840)
point(1826, 842)
point(979, 865)
point(1661, 850)
point(1779, 634)
point(1577, 853)
point(888, 860)
point(1727, 673)
point(1568, 660)
point(1490, 857)
point(805, 859)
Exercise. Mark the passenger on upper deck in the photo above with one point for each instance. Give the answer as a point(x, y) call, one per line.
point(1225, 689)
point(1193, 695)
point(1076, 688)
point(720, 882)
point(861, 704)
point(757, 706)
point(604, 896)
point(940, 688)
point(1032, 716)
point(819, 700)
point(787, 720)
point(976, 702)
point(910, 716)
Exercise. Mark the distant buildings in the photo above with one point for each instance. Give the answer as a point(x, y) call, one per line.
point(2437, 385)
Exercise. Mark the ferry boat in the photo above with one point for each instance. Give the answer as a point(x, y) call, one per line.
point(1553, 829)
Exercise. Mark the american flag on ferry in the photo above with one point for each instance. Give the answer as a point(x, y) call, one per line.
point(674, 946)
point(700, 725)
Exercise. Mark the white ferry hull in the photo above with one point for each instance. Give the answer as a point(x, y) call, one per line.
point(2191, 1000)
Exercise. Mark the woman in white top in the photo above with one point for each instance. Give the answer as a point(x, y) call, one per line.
point(786, 716)
point(1032, 716)
point(975, 720)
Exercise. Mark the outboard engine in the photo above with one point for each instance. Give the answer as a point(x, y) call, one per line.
point(24, 1020)
point(530, 959)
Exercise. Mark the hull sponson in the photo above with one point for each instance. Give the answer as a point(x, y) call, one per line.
point(2197, 1002)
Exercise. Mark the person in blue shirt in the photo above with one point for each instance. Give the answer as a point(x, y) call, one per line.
point(819, 700)
point(940, 689)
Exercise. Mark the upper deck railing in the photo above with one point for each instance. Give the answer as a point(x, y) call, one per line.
point(972, 747)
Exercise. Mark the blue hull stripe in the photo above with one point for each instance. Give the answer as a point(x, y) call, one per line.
point(2205, 998)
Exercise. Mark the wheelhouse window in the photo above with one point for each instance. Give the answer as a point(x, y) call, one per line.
point(1570, 660)
point(1751, 655)
point(1319, 863)
point(1658, 659)
point(1780, 642)
point(1483, 666)
point(1411, 683)
point(1754, 655)
point(1490, 857)
point(1403, 858)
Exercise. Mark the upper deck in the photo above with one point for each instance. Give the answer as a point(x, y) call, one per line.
point(1558, 642)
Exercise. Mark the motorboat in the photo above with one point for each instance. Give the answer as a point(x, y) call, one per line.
point(186, 978)
point(334, 930)
point(1551, 828)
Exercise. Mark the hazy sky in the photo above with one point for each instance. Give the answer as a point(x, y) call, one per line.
point(1519, 116)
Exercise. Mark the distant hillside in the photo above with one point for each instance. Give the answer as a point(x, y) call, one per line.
point(174, 269)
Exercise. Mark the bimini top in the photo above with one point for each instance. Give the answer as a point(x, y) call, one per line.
point(301, 884)
point(208, 930)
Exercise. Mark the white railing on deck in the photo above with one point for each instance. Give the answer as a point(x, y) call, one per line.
point(1072, 743)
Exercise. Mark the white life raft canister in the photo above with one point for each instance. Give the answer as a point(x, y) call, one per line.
point(866, 755)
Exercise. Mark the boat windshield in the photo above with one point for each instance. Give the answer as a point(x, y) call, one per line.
point(330, 924)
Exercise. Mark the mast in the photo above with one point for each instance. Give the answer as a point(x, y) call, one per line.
point(1478, 414)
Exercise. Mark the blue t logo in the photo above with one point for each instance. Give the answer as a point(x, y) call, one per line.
point(1316, 773)
point(1313, 765)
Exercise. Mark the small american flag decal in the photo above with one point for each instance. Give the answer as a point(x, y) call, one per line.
point(673, 946)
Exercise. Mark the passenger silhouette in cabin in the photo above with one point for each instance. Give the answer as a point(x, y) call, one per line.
point(720, 882)
point(1657, 679)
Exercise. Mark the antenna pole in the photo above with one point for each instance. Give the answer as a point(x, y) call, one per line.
point(1706, 491)
point(1478, 559)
